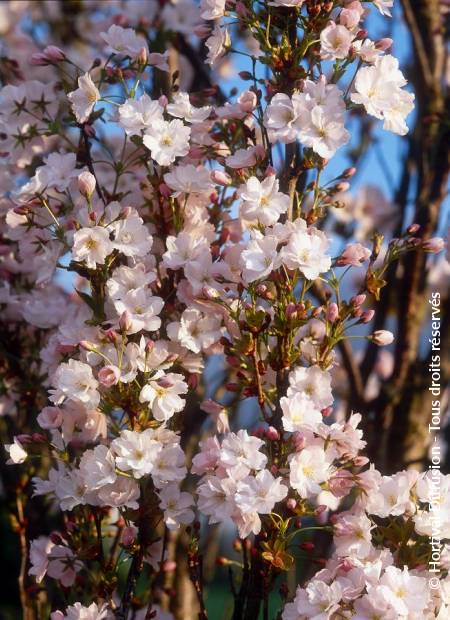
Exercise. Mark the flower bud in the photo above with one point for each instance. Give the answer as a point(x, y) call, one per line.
point(242, 10)
point(433, 245)
point(38, 438)
point(367, 316)
point(165, 190)
point(358, 300)
point(39, 60)
point(220, 177)
point(298, 440)
point(383, 44)
point(86, 184)
point(54, 53)
point(202, 30)
point(128, 536)
point(247, 101)
point(332, 312)
point(354, 254)
point(125, 321)
point(382, 337)
point(291, 504)
point(349, 172)
point(343, 186)
point(142, 56)
point(412, 229)
point(112, 335)
point(193, 381)
point(272, 434)
point(210, 406)
point(109, 375)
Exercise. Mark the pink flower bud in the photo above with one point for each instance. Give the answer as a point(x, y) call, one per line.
point(433, 245)
point(382, 337)
point(247, 101)
point(193, 382)
point(125, 321)
point(298, 440)
point(360, 461)
point(221, 178)
point(22, 210)
point(272, 434)
point(358, 300)
point(349, 172)
point(354, 254)
point(24, 438)
point(149, 347)
point(128, 536)
point(38, 438)
point(86, 345)
point(327, 411)
point(50, 417)
point(39, 60)
point(142, 56)
point(259, 432)
point(291, 310)
point(112, 335)
point(109, 376)
point(291, 504)
point(165, 190)
point(86, 184)
point(241, 9)
point(332, 312)
point(367, 316)
point(210, 406)
point(202, 30)
point(54, 53)
point(343, 186)
point(383, 44)
point(412, 229)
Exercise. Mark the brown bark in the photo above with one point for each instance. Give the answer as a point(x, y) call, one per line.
point(399, 433)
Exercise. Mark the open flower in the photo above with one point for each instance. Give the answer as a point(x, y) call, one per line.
point(84, 98)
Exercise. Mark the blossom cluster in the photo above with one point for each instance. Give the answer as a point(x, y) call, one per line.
point(184, 239)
